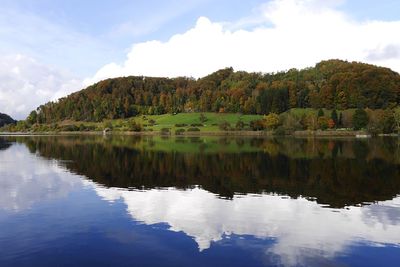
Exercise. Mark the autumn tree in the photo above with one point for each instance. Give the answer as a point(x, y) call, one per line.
point(271, 121)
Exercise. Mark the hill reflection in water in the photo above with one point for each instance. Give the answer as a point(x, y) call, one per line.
point(336, 173)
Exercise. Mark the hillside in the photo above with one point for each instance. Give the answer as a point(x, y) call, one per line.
point(5, 119)
point(330, 84)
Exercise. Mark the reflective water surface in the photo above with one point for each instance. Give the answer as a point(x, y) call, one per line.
point(152, 201)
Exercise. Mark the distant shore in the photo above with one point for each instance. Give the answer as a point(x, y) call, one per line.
point(318, 133)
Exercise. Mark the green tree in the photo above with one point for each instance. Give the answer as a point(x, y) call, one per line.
point(396, 116)
point(360, 119)
point(320, 113)
point(32, 118)
point(388, 122)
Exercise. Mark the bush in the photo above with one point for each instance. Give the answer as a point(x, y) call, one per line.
point(69, 128)
point(257, 125)
point(240, 125)
point(108, 124)
point(224, 126)
point(280, 131)
point(193, 129)
point(203, 118)
point(165, 131)
point(180, 125)
point(179, 131)
point(323, 123)
point(196, 125)
point(134, 126)
point(152, 122)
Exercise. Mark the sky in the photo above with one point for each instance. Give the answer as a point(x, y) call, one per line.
point(51, 48)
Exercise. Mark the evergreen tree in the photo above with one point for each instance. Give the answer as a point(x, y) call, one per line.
point(340, 121)
point(360, 119)
point(334, 117)
point(320, 113)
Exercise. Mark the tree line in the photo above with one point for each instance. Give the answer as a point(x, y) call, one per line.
point(332, 84)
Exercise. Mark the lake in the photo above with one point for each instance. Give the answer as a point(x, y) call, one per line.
point(199, 201)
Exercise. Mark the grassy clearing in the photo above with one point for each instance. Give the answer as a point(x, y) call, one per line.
point(185, 121)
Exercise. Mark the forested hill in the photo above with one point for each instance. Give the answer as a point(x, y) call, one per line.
point(330, 84)
point(5, 119)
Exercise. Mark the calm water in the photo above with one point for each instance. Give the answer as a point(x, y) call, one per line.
point(129, 201)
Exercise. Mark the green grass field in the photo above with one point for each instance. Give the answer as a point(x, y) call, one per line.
point(170, 121)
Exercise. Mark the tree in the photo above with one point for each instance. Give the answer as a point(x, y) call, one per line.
point(388, 122)
point(323, 123)
point(360, 119)
point(32, 118)
point(311, 122)
point(320, 113)
point(340, 121)
point(396, 116)
point(334, 116)
point(271, 121)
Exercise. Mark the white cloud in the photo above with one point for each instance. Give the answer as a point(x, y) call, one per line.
point(317, 230)
point(27, 179)
point(291, 33)
point(26, 84)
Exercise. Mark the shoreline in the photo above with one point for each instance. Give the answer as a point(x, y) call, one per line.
point(305, 133)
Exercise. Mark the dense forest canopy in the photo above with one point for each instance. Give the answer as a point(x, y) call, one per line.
point(5, 120)
point(330, 84)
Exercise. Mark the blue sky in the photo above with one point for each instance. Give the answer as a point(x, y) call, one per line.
point(109, 28)
point(50, 48)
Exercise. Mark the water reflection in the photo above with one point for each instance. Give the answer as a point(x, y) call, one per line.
point(337, 173)
point(297, 225)
point(26, 179)
point(216, 189)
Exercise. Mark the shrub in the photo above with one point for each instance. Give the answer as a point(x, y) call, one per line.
point(108, 124)
point(193, 129)
point(165, 131)
point(224, 126)
point(323, 123)
point(257, 125)
point(203, 118)
point(179, 131)
point(152, 122)
point(196, 125)
point(180, 125)
point(134, 126)
point(69, 128)
point(280, 131)
point(240, 125)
